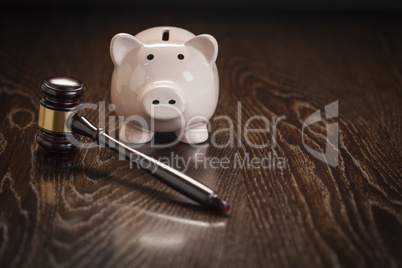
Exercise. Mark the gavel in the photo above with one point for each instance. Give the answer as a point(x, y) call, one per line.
point(60, 125)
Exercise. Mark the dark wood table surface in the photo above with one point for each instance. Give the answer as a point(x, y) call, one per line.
point(90, 209)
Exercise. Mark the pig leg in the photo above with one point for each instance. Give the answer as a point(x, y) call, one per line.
point(133, 134)
point(194, 134)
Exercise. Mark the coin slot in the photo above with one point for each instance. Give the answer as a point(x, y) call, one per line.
point(165, 35)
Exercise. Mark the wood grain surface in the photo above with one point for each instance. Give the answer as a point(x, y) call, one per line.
point(90, 209)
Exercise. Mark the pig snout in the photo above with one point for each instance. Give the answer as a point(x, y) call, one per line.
point(163, 101)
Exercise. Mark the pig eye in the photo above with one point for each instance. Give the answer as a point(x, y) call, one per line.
point(180, 56)
point(150, 56)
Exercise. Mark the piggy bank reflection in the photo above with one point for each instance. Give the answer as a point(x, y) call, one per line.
point(165, 80)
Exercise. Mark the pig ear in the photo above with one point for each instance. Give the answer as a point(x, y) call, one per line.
point(121, 45)
point(207, 45)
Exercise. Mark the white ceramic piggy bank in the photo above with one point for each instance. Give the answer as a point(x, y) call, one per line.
point(165, 80)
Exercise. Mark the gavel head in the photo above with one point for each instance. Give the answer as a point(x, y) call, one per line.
point(61, 99)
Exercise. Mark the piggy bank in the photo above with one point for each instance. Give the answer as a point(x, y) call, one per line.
point(165, 80)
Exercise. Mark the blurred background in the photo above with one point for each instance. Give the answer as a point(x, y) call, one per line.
point(335, 5)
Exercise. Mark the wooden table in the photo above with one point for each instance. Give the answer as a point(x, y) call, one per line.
point(90, 209)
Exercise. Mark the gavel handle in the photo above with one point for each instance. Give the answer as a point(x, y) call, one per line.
point(166, 174)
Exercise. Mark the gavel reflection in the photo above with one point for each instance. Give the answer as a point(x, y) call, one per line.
point(59, 124)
